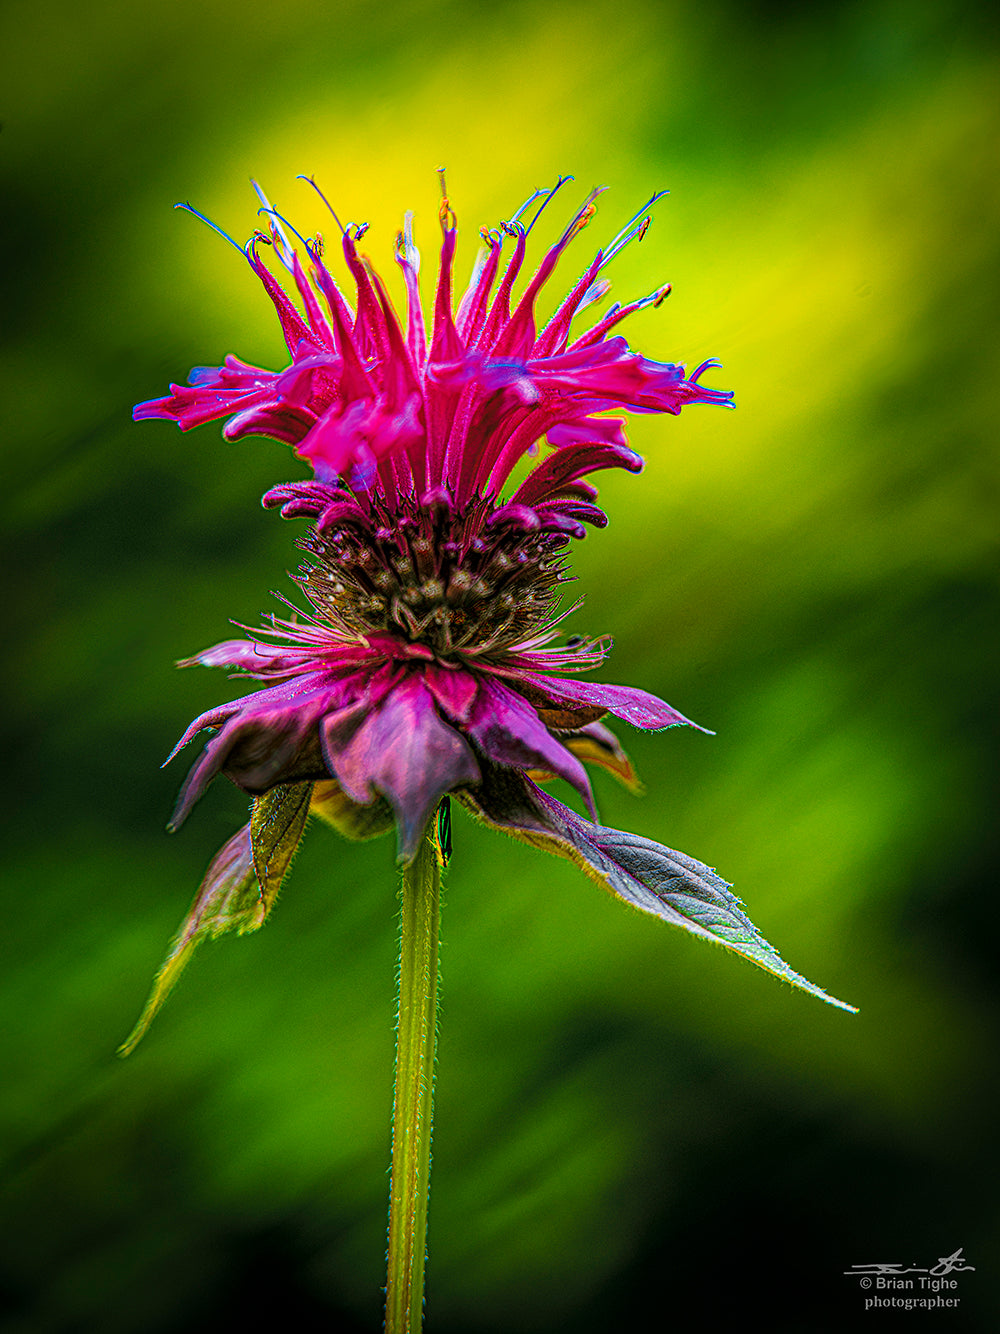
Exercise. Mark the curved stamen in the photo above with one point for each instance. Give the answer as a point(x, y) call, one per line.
point(583, 215)
point(711, 364)
point(635, 234)
point(189, 208)
point(276, 219)
point(634, 230)
point(549, 196)
point(309, 181)
point(618, 312)
point(515, 217)
point(620, 239)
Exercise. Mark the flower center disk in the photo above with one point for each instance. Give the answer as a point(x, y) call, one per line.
point(436, 576)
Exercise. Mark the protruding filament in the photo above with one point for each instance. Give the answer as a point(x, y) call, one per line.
point(653, 299)
point(189, 208)
point(634, 230)
point(309, 181)
point(515, 217)
point(582, 217)
point(276, 220)
point(549, 196)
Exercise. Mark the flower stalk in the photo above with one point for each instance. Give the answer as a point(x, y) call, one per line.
point(416, 1043)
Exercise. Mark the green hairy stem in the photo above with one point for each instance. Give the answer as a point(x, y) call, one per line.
point(416, 1042)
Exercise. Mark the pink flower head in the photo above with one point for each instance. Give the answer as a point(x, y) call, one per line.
point(429, 661)
point(389, 415)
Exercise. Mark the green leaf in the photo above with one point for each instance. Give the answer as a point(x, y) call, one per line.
point(277, 823)
point(657, 880)
point(238, 891)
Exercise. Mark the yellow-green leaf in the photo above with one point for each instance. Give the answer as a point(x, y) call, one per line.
point(227, 900)
point(656, 880)
point(350, 818)
point(238, 891)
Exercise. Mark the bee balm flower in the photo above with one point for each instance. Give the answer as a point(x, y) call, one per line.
point(431, 659)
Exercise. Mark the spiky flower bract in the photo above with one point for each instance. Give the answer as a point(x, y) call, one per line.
point(431, 659)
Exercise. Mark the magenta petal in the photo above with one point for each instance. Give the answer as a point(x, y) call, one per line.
point(210, 718)
point(211, 392)
point(568, 515)
point(281, 421)
point(341, 514)
point(297, 498)
point(509, 731)
point(293, 327)
point(515, 516)
point(455, 691)
point(277, 746)
point(637, 707)
point(593, 432)
point(258, 749)
point(569, 463)
point(404, 752)
point(246, 654)
point(201, 774)
point(337, 730)
point(190, 407)
point(264, 737)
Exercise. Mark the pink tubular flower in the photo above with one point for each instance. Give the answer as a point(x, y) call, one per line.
point(428, 663)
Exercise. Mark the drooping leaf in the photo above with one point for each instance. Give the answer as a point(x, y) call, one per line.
point(238, 890)
point(657, 880)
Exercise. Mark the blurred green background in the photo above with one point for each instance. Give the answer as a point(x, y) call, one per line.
point(633, 1130)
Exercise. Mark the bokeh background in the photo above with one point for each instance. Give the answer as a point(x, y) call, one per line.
point(633, 1130)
